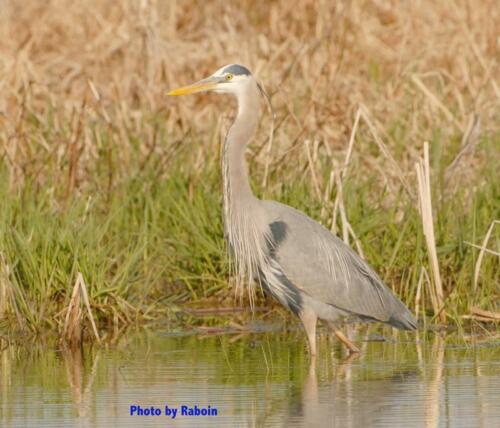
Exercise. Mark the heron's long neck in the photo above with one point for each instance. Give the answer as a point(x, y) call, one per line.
point(244, 228)
point(237, 191)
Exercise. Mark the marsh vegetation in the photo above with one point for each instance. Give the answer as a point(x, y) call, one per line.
point(106, 184)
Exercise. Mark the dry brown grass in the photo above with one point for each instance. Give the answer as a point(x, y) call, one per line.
point(427, 65)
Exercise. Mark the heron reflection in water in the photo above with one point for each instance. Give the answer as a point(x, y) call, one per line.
point(295, 259)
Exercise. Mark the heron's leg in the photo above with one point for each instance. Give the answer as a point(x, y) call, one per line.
point(309, 318)
point(351, 346)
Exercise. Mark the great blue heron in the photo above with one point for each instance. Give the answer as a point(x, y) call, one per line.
point(295, 259)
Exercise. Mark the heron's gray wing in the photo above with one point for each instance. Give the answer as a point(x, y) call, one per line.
point(326, 269)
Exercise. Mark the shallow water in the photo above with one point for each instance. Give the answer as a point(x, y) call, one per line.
point(262, 379)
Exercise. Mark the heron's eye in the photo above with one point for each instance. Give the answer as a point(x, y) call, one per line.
point(229, 76)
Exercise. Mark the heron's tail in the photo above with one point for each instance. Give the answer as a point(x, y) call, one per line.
point(403, 319)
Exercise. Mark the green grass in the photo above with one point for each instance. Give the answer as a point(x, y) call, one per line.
point(150, 239)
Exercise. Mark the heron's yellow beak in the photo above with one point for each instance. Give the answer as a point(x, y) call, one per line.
point(201, 86)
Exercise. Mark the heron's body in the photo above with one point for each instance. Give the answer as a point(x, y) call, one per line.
point(327, 274)
point(294, 258)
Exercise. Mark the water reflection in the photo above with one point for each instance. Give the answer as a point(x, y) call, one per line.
point(346, 401)
point(254, 381)
point(435, 374)
point(81, 388)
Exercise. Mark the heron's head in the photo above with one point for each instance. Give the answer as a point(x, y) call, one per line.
point(233, 79)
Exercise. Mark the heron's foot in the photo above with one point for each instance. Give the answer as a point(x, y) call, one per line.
point(350, 358)
point(353, 349)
